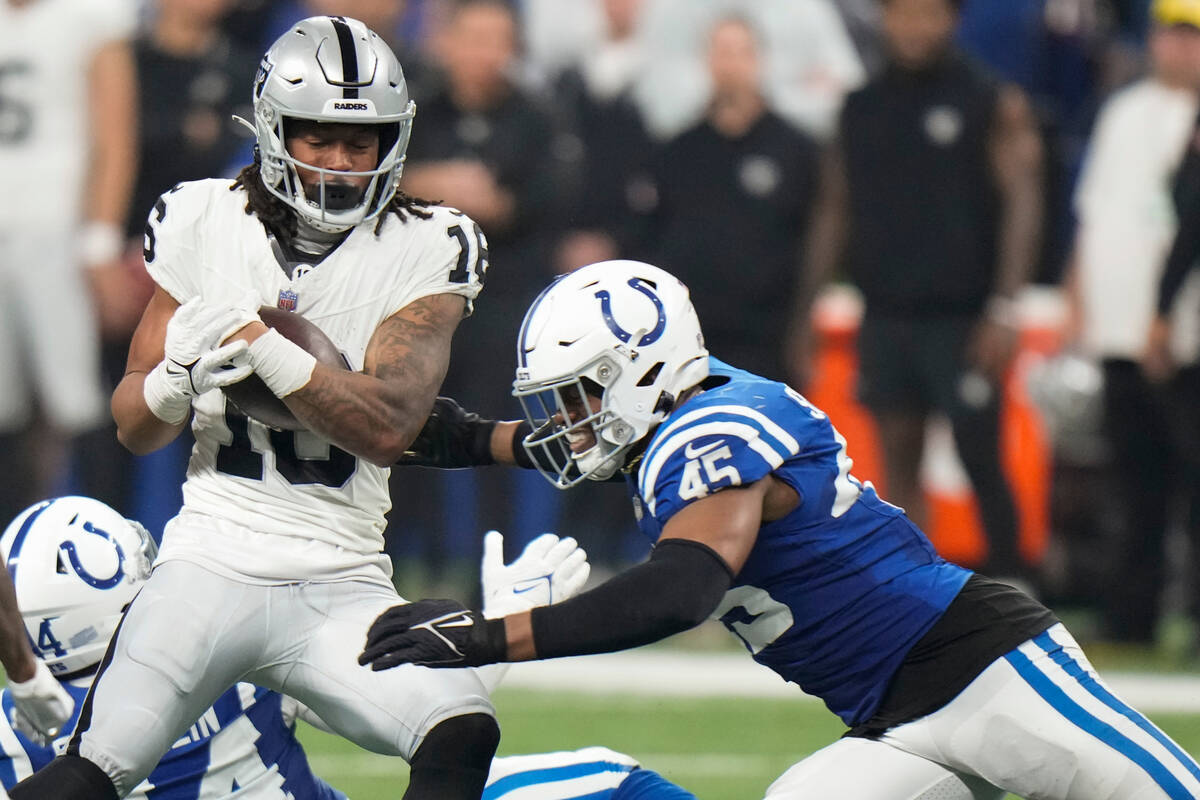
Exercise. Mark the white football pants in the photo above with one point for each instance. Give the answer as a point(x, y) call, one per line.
point(191, 634)
point(1038, 723)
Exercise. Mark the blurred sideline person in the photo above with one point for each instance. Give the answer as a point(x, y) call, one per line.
point(78, 564)
point(68, 142)
point(1126, 226)
point(603, 215)
point(932, 197)
point(953, 685)
point(809, 61)
point(749, 205)
point(1161, 362)
point(274, 565)
point(191, 78)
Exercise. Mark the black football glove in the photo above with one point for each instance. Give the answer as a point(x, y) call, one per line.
point(453, 438)
point(434, 633)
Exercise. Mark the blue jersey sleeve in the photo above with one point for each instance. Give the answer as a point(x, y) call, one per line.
point(722, 438)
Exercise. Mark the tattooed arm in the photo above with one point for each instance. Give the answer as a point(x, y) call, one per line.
point(375, 414)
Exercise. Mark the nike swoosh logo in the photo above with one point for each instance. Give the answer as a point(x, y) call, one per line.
point(691, 452)
point(533, 583)
point(460, 621)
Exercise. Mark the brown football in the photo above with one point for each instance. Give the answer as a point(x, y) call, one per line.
point(253, 398)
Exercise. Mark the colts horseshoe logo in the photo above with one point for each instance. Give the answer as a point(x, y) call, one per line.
point(68, 548)
point(614, 326)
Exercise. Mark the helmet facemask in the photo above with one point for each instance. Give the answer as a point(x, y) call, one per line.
point(336, 203)
point(572, 411)
point(621, 334)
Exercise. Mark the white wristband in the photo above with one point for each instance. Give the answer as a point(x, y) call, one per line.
point(99, 243)
point(42, 682)
point(163, 397)
point(283, 365)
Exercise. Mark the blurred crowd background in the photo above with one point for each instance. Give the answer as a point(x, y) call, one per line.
point(946, 221)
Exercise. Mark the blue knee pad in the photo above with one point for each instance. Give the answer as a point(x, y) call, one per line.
point(645, 784)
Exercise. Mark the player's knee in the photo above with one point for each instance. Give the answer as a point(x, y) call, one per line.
point(453, 760)
point(466, 739)
point(67, 777)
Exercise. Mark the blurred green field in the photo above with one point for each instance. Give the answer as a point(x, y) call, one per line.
point(719, 748)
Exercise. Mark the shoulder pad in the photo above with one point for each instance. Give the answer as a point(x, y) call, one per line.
point(717, 443)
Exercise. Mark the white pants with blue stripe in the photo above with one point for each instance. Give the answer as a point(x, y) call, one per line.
point(1038, 723)
point(593, 772)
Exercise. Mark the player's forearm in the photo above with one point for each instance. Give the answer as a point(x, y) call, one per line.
point(138, 429)
point(1182, 258)
point(361, 414)
point(827, 232)
point(114, 116)
point(15, 653)
point(378, 413)
point(1020, 237)
point(369, 416)
point(504, 442)
point(677, 589)
point(1016, 156)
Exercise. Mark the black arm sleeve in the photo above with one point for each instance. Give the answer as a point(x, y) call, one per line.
point(1184, 252)
point(452, 438)
point(1186, 247)
point(677, 589)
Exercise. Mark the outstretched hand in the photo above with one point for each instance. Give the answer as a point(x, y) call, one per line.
point(433, 633)
point(549, 570)
point(445, 633)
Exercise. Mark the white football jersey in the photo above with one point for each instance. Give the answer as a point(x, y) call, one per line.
point(45, 51)
point(260, 488)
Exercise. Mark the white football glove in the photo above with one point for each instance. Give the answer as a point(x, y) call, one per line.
point(41, 706)
point(194, 361)
point(548, 571)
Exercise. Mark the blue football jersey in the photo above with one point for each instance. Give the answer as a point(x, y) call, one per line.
point(834, 594)
point(243, 744)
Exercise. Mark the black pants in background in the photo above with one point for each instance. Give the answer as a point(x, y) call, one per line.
point(1154, 432)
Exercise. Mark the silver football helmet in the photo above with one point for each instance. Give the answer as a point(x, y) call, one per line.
point(620, 331)
point(76, 564)
point(331, 69)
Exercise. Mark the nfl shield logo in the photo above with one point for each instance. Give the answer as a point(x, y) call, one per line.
point(287, 299)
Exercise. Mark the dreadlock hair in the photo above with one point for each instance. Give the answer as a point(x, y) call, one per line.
point(280, 219)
